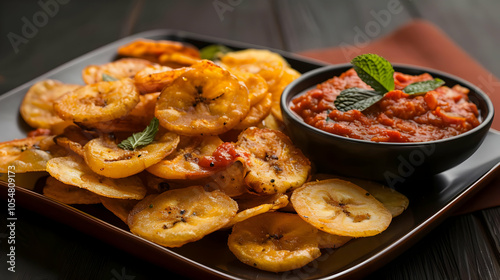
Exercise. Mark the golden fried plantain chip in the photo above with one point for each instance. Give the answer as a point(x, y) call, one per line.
point(176, 217)
point(100, 102)
point(68, 194)
point(203, 100)
point(393, 200)
point(37, 108)
point(340, 207)
point(104, 156)
point(72, 170)
point(274, 242)
point(120, 207)
point(120, 69)
point(275, 165)
point(183, 163)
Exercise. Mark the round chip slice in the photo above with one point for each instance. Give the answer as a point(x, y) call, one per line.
point(155, 78)
point(120, 69)
point(260, 205)
point(256, 114)
point(276, 90)
point(274, 242)
point(393, 200)
point(183, 162)
point(153, 50)
point(103, 101)
point(275, 165)
point(340, 207)
point(104, 156)
point(120, 207)
point(68, 194)
point(72, 170)
point(37, 108)
point(176, 217)
point(29, 154)
point(267, 64)
point(203, 100)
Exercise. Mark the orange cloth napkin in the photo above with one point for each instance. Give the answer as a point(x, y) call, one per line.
point(422, 43)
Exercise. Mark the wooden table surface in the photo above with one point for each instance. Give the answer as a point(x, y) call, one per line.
point(463, 247)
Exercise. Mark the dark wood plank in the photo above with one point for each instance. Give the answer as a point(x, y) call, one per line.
point(491, 218)
point(457, 249)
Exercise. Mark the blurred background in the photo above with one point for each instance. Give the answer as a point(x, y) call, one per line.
point(39, 35)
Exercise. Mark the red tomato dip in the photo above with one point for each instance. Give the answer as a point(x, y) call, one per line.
point(397, 117)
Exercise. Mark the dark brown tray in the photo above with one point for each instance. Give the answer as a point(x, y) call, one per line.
point(432, 199)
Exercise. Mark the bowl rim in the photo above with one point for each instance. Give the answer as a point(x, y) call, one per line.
point(285, 108)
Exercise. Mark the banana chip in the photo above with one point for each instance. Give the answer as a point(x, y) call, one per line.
point(176, 217)
point(267, 64)
point(256, 114)
point(289, 76)
point(203, 100)
point(103, 101)
point(72, 170)
point(120, 69)
point(120, 207)
point(340, 207)
point(104, 156)
point(37, 108)
point(155, 78)
point(183, 163)
point(259, 206)
point(393, 200)
point(29, 154)
point(274, 164)
point(153, 49)
point(229, 180)
point(274, 242)
point(68, 194)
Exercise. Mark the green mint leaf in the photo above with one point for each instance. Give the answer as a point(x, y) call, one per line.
point(356, 99)
point(141, 139)
point(108, 78)
point(375, 71)
point(214, 52)
point(423, 87)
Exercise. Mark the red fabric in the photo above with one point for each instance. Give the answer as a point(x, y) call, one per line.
point(422, 43)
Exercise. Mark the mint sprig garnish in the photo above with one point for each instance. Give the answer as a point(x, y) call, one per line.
point(375, 71)
point(141, 139)
point(423, 87)
point(108, 78)
point(356, 99)
point(378, 73)
point(214, 52)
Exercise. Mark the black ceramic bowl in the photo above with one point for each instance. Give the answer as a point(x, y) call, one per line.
point(390, 163)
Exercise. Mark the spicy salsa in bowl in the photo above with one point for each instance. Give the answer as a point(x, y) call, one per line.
point(399, 136)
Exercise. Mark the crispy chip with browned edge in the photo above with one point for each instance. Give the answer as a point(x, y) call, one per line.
point(104, 156)
point(120, 207)
point(274, 241)
point(393, 200)
point(68, 194)
point(176, 217)
point(340, 207)
point(275, 165)
point(72, 170)
point(37, 108)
